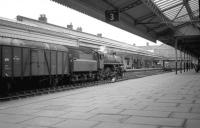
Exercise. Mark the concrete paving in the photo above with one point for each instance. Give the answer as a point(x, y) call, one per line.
point(159, 101)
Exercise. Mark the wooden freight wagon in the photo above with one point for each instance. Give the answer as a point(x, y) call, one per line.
point(34, 62)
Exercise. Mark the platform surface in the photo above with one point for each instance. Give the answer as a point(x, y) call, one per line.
point(159, 101)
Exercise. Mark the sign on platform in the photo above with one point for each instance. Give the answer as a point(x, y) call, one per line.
point(112, 15)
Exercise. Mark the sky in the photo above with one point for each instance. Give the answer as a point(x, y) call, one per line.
point(61, 15)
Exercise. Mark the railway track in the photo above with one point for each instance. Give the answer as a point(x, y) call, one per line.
point(36, 92)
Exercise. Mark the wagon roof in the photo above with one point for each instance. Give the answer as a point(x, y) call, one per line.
point(31, 44)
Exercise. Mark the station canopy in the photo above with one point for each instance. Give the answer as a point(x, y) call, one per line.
point(164, 20)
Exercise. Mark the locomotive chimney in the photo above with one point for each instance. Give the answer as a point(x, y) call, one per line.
point(43, 18)
point(147, 44)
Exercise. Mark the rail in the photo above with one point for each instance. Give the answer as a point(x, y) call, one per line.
point(142, 69)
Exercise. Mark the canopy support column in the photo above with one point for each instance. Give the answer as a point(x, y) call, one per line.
point(163, 64)
point(190, 62)
point(180, 61)
point(184, 60)
point(176, 43)
point(187, 62)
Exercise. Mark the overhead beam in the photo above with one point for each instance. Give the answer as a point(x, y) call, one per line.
point(146, 17)
point(157, 11)
point(130, 6)
point(172, 7)
point(175, 5)
point(189, 10)
point(182, 25)
point(192, 43)
point(178, 12)
point(159, 26)
point(124, 8)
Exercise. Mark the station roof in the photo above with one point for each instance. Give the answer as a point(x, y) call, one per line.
point(164, 20)
point(34, 30)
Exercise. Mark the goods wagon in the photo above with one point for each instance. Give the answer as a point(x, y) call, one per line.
point(34, 62)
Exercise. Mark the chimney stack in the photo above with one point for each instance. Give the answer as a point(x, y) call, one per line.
point(43, 18)
point(79, 29)
point(99, 34)
point(70, 26)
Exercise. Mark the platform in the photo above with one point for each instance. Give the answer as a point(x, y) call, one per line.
point(159, 101)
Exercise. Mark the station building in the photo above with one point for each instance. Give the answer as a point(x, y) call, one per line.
point(168, 52)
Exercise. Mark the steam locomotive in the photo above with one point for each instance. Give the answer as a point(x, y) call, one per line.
point(25, 64)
